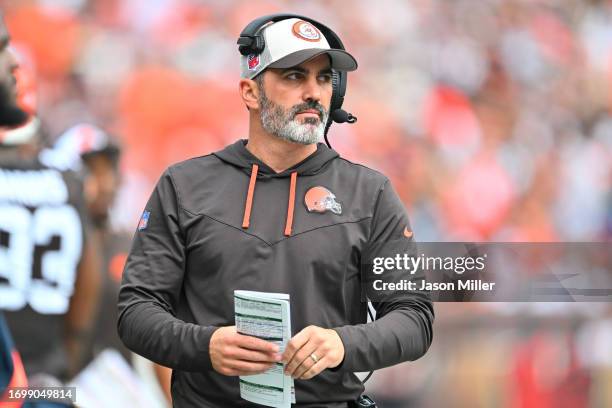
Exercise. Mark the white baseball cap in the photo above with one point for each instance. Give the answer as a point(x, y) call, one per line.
point(289, 43)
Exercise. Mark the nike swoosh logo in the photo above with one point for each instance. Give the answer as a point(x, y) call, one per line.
point(407, 233)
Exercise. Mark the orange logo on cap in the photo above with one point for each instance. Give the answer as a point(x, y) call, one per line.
point(319, 199)
point(306, 31)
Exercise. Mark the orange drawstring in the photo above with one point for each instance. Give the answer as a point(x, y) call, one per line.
point(291, 204)
point(249, 198)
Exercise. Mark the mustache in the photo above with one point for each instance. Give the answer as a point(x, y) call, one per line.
point(305, 106)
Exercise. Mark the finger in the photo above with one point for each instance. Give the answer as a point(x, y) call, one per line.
point(314, 369)
point(296, 343)
point(301, 357)
point(254, 343)
point(239, 353)
point(307, 363)
point(247, 367)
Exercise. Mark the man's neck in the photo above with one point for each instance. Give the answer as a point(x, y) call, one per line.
point(276, 153)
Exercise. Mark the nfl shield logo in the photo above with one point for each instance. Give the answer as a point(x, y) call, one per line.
point(144, 220)
point(253, 61)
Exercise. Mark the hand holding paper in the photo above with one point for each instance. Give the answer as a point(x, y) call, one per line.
point(311, 351)
point(232, 353)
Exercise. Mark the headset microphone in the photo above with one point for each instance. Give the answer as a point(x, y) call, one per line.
point(342, 116)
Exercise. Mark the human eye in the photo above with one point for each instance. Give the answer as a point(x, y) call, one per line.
point(293, 76)
point(326, 77)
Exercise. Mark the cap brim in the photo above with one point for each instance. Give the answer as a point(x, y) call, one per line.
point(340, 60)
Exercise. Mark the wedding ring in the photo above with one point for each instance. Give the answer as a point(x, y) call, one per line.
point(314, 358)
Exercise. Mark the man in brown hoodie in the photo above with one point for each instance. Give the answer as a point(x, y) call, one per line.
point(278, 212)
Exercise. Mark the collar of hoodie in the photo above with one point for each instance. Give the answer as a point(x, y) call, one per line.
point(237, 155)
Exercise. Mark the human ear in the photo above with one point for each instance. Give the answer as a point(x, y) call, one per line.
point(249, 92)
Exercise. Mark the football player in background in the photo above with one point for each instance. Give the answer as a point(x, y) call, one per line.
point(93, 153)
point(12, 373)
point(90, 153)
point(102, 181)
point(49, 276)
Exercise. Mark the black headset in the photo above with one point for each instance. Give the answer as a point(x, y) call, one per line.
point(252, 42)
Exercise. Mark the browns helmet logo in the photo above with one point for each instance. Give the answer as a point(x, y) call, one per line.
point(319, 199)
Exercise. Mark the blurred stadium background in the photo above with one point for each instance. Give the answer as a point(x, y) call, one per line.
point(493, 118)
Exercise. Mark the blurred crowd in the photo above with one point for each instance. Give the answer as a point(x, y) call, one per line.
point(492, 118)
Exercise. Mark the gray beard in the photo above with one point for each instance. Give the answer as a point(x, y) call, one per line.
point(282, 124)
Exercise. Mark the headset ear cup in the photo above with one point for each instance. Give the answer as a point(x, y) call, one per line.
point(336, 99)
point(338, 91)
point(260, 45)
point(335, 102)
point(338, 81)
point(244, 50)
point(253, 45)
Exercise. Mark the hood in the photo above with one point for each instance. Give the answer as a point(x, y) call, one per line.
point(238, 156)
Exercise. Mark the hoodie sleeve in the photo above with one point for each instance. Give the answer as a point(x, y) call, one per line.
point(403, 327)
point(151, 286)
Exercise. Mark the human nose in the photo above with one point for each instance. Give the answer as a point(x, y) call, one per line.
point(312, 89)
